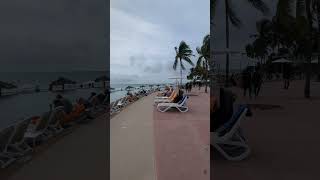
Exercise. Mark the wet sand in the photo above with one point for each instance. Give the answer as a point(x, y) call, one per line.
point(284, 140)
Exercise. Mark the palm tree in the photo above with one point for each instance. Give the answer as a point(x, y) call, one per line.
point(204, 56)
point(303, 26)
point(230, 15)
point(183, 52)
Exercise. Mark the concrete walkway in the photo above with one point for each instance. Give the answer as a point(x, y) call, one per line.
point(131, 142)
point(82, 155)
point(182, 141)
point(283, 141)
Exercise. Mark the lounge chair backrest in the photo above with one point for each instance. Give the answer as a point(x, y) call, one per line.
point(115, 103)
point(183, 101)
point(120, 102)
point(111, 105)
point(226, 104)
point(20, 129)
point(5, 137)
point(56, 116)
point(234, 121)
point(43, 122)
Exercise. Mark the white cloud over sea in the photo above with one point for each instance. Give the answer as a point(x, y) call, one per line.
point(143, 35)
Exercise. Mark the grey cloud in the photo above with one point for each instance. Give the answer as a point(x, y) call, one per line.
point(56, 35)
point(157, 68)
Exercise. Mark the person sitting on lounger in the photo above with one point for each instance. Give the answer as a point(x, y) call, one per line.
point(67, 105)
point(178, 97)
point(219, 115)
point(77, 111)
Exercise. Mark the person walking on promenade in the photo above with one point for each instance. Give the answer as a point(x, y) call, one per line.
point(247, 84)
point(286, 76)
point(257, 82)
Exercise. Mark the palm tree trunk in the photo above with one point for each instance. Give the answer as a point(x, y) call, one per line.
point(207, 71)
point(308, 65)
point(227, 42)
point(318, 37)
point(180, 72)
point(307, 80)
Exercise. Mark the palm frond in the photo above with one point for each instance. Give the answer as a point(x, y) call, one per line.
point(188, 60)
point(233, 17)
point(260, 5)
point(175, 63)
point(182, 66)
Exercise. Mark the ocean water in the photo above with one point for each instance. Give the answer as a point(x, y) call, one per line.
point(16, 107)
point(120, 91)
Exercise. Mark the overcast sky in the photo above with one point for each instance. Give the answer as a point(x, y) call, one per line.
point(143, 34)
point(57, 35)
point(239, 38)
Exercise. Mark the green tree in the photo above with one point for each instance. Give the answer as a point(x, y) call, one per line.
point(204, 57)
point(183, 53)
point(230, 15)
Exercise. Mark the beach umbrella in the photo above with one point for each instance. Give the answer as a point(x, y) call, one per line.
point(282, 60)
point(101, 79)
point(62, 80)
point(128, 88)
point(142, 86)
point(6, 85)
point(315, 61)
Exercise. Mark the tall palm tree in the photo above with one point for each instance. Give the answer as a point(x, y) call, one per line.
point(204, 56)
point(304, 20)
point(230, 15)
point(183, 53)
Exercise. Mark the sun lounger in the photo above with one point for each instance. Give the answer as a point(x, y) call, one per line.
point(123, 102)
point(229, 140)
point(55, 120)
point(181, 106)
point(115, 108)
point(167, 97)
point(39, 130)
point(17, 145)
point(5, 137)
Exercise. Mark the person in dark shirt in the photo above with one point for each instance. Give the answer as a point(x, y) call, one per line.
point(66, 103)
point(286, 75)
point(257, 82)
point(246, 80)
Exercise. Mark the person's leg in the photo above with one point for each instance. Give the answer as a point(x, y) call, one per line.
point(244, 91)
point(258, 90)
point(250, 91)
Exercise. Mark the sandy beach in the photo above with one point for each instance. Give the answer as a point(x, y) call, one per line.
point(284, 140)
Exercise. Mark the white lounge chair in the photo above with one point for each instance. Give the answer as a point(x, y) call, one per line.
point(17, 145)
point(39, 130)
point(228, 139)
point(6, 135)
point(181, 106)
point(123, 102)
point(55, 120)
point(167, 97)
point(115, 108)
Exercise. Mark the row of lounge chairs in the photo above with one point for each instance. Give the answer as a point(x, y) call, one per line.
point(165, 103)
point(18, 140)
point(119, 104)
